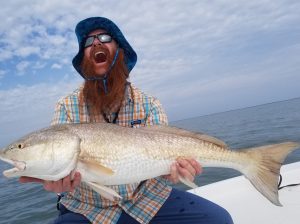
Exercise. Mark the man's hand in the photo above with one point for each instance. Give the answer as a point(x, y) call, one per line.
point(62, 185)
point(187, 168)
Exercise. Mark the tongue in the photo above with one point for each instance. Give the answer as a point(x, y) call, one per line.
point(100, 57)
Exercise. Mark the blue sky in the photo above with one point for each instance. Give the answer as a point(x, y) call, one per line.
point(197, 57)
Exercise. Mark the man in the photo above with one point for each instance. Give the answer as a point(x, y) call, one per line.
point(105, 60)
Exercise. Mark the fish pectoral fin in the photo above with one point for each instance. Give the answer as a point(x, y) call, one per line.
point(187, 182)
point(96, 166)
point(104, 191)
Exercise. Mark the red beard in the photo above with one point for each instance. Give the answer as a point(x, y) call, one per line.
point(93, 91)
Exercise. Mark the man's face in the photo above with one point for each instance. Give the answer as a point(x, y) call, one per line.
point(99, 56)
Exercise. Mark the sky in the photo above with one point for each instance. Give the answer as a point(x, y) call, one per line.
point(198, 57)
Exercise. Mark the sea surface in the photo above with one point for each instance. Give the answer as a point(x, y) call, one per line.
point(243, 128)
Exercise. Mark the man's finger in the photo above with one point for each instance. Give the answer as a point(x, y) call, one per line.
point(196, 166)
point(66, 183)
point(185, 164)
point(174, 173)
point(30, 179)
point(48, 185)
point(185, 173)
point(76, 181)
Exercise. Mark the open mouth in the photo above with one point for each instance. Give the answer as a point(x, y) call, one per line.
point(100, 57)
point(19, 166)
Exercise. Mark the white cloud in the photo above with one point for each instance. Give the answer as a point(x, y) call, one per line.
point(56, 40)
point(32, 107)
point(2, 73)
point(22, 66)
point(46, 26)
point(5, 54)
point(27, 51)
point(186, 49)
point(39, 65)
point(56, 66)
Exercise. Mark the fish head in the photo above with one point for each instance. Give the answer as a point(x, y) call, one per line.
point(49, 154)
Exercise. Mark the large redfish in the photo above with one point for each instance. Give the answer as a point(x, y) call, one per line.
point(107, 154)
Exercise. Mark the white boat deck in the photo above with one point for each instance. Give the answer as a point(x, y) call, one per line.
point(247, 206)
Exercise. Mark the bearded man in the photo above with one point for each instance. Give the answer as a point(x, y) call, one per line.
point(105, 60)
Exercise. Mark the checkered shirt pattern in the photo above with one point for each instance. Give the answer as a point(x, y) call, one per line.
point(140, 200)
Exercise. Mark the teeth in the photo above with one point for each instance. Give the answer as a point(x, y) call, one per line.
point(99, 52)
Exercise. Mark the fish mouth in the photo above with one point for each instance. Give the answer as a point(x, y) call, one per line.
point(19, 166)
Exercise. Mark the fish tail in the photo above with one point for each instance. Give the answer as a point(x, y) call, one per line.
point(264, 169)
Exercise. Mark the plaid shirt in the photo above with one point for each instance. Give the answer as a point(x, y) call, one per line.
point(140, 200)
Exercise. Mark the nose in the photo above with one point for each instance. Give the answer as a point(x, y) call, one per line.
point(96, 42)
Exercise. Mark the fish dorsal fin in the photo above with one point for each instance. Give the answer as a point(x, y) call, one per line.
point(186, 133)
point(104, 191)
point(95, 166)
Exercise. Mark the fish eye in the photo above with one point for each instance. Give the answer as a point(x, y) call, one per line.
point(20, 146)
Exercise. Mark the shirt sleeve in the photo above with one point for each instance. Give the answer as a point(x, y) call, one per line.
point(157, 115)
point(60, 114)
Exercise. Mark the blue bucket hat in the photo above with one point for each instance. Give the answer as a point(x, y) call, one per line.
point(84, 27)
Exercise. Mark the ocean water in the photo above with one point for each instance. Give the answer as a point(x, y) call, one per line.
point(244, 128)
